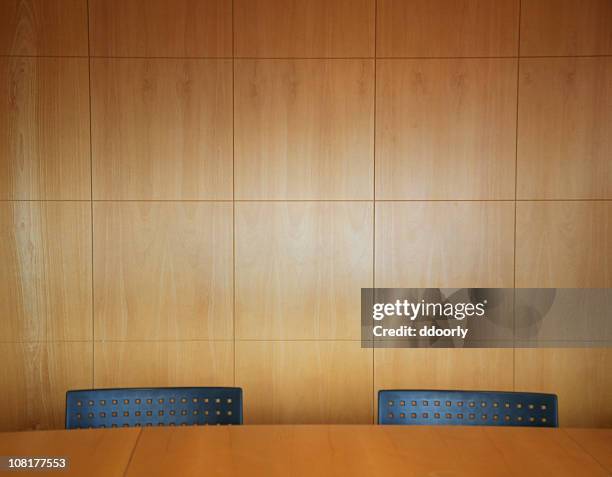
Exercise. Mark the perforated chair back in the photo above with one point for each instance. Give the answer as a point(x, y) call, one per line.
point(466, 408)
point(137, 407)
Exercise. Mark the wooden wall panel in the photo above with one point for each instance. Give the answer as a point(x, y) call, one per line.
point(566, 27)
point(565, 119)
point(300, 268)
point(447, 28)
point(445, 129)
point(163, 270)
point(161, 28)
point(564, 244)
point(444, 244)
point(304, 28)
point(45, 272)
point(305, 382)
point(34, 379)
point(159, 364)
point(43, 27)
point(44, 128)
point(304, 129)
point(580, 377)
point(336, 104)
point(486, 369)
point(162, 129)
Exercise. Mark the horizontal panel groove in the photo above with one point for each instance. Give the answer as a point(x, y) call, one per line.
point(234, 57)
point(215, 201)
point(44, 56)
point(565, 56)
point(228, 201)
point(186, 340)
point(45, 200)
point(446, 57)
point(42, 341)
point(306, 57)
point(443, 200)
point(178, 58)
point(290, 340)
point(563, 200)
point(492, 200)
point(163, 57)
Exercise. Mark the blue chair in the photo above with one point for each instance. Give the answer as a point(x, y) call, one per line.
point(466, 408)
point(134, 407)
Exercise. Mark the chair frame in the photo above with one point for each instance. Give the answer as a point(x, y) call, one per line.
point(466, 408)
point(163, 406)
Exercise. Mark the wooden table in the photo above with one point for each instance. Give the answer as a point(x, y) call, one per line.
point(597, 442)
point(96, 452)
point(295, 451)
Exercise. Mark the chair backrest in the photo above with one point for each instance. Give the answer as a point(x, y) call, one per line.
point(466, 408)
point(134, 407)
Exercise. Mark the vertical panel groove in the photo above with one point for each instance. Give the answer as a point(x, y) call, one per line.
point(91, 218)
point(518, 76)
point(233, 200)
point(374, 403)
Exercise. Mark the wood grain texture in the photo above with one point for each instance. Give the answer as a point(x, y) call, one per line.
point(597, 442)
point(305, 382)
point(564, 244)
point(566, 27)
point(162, 129)
point(163, 270)
point(44, 128)
point(580, 377)
point(447, 28)
point(304, 28)
point(92, 452)
point(444, 244)
point(45, 272)
point(164, 364)
point(360, 451)
point(445, 129)
point(484, 369)
point(304, 129)
point(565, 119)
point(161, 28)
point(43, 27)
point(556, 454)
point(300, 268)
point(34, 379)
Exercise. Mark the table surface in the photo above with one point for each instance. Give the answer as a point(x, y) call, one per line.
point(326, 450)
